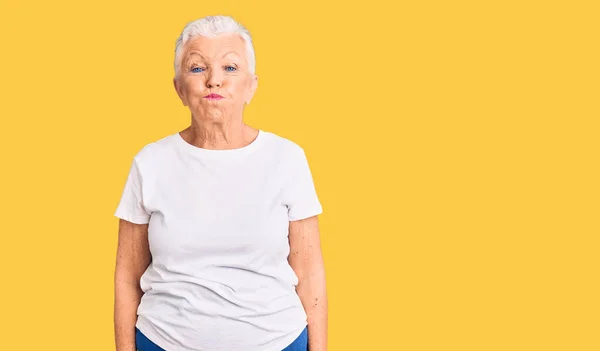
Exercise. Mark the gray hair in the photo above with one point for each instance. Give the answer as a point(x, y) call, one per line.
point(211, 26)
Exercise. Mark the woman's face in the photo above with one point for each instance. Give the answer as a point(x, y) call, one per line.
point(215, 65)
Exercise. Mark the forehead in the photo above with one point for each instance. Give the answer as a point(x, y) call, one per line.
point(211, 47)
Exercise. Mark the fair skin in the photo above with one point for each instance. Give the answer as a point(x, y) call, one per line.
point(218, 65)
point(133, 257)
point(306, 259)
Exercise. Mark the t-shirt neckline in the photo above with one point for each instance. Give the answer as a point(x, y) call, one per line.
point(202, 152)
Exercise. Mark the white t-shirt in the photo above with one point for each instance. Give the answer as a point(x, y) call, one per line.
point(219, 279)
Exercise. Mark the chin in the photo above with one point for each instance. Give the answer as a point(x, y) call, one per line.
point(215, 116)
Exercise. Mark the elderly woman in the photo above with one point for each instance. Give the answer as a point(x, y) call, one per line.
point(218, 244)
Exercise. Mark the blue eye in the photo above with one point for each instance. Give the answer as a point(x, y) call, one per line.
point(233, 68)
point(195, 69)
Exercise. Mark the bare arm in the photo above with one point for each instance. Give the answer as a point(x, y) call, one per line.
point(133, 257)
point(306, 260)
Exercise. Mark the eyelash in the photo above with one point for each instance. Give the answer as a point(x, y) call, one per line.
point(234, 69)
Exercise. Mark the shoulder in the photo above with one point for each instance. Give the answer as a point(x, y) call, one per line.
point(155, 151)
point(282, 145)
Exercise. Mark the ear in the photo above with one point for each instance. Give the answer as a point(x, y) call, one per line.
point(253, 86)
point(179, 91)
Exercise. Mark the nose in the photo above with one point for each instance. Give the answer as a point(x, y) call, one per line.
point(215, 79)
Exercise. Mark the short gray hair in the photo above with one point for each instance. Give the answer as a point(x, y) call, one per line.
point(210, 26)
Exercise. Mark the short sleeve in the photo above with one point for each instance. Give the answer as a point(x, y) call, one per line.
point(300, 196)
point(131, 207)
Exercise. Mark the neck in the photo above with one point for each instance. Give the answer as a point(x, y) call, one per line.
point(219, 136)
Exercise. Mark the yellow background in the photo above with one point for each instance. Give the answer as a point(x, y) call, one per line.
point(454, 146)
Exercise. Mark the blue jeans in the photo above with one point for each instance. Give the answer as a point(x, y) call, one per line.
point(142, 343)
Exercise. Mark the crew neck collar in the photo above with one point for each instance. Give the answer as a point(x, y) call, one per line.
point(223, 153)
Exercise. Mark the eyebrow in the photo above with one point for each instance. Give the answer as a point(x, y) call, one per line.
point(189, 58)
point(192, 53)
